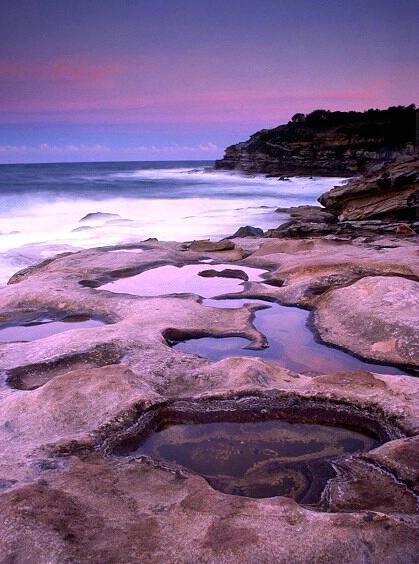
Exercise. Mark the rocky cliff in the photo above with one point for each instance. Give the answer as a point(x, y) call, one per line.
point(327, 143)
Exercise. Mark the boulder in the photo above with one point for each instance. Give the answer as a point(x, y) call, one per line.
point(312, 214)
point(247, 231)
point(210, 246)
point(99, 216)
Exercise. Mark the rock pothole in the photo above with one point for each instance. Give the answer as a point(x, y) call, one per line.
point(31, 326)
point(261, 447)
point(291, 341)
point(32, 376)
point(189, 278)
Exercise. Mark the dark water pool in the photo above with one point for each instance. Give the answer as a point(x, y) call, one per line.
point(258, 459)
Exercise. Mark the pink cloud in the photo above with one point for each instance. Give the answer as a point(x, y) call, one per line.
point(174, 102)
point(132, 91)
point(75, 70)
point(377, 83)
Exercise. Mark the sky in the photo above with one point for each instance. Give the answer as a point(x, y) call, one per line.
point(109, 80)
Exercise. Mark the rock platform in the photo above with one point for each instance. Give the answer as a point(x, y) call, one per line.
point(66, 498)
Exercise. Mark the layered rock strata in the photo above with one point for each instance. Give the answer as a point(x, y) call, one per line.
point(388, 192)
point(326, 143)
point(384, 200)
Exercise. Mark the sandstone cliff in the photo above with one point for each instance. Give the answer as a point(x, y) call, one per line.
point(327, 143)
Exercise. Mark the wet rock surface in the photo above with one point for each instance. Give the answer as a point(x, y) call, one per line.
point(69, 398)
point(311, 214)
point(385, 200)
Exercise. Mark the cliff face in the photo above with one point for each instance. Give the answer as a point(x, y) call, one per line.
point(327, 143)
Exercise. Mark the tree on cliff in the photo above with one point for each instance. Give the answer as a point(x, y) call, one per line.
point(298, 118)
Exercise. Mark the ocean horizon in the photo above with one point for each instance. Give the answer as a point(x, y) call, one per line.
point(43, 207)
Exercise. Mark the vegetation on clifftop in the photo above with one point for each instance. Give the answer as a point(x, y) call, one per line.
point(394, 127)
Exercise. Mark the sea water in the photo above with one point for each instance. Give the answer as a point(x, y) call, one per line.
point(42, 206)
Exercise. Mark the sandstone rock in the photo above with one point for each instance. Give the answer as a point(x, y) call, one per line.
point(209, 246)
point(65, 496)
point(64, 408)
point(382, 194)
point(405, 230)
point(226, 273)
point(125, 514)
point(381, 322)
point(298, 228)
point(350, 489)
point(312, 214)
point(362, 227)
point(96, 216)
point(306, 221)
point(304, 269)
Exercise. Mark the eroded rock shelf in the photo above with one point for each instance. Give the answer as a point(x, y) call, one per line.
point(69, 495)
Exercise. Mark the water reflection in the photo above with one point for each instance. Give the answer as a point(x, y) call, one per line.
point(184, 280)
point(261, 459)
point(45, 327)
point(291, 342)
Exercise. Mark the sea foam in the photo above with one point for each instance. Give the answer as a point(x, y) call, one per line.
point(41, 205)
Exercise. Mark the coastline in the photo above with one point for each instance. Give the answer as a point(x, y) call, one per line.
point(47, 210)
point(209, 282)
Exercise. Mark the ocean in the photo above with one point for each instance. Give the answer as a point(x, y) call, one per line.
point(42, 206)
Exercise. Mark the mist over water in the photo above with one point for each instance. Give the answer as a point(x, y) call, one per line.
point(41, 205)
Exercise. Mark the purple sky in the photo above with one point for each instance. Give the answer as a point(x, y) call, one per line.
point(182, 79)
